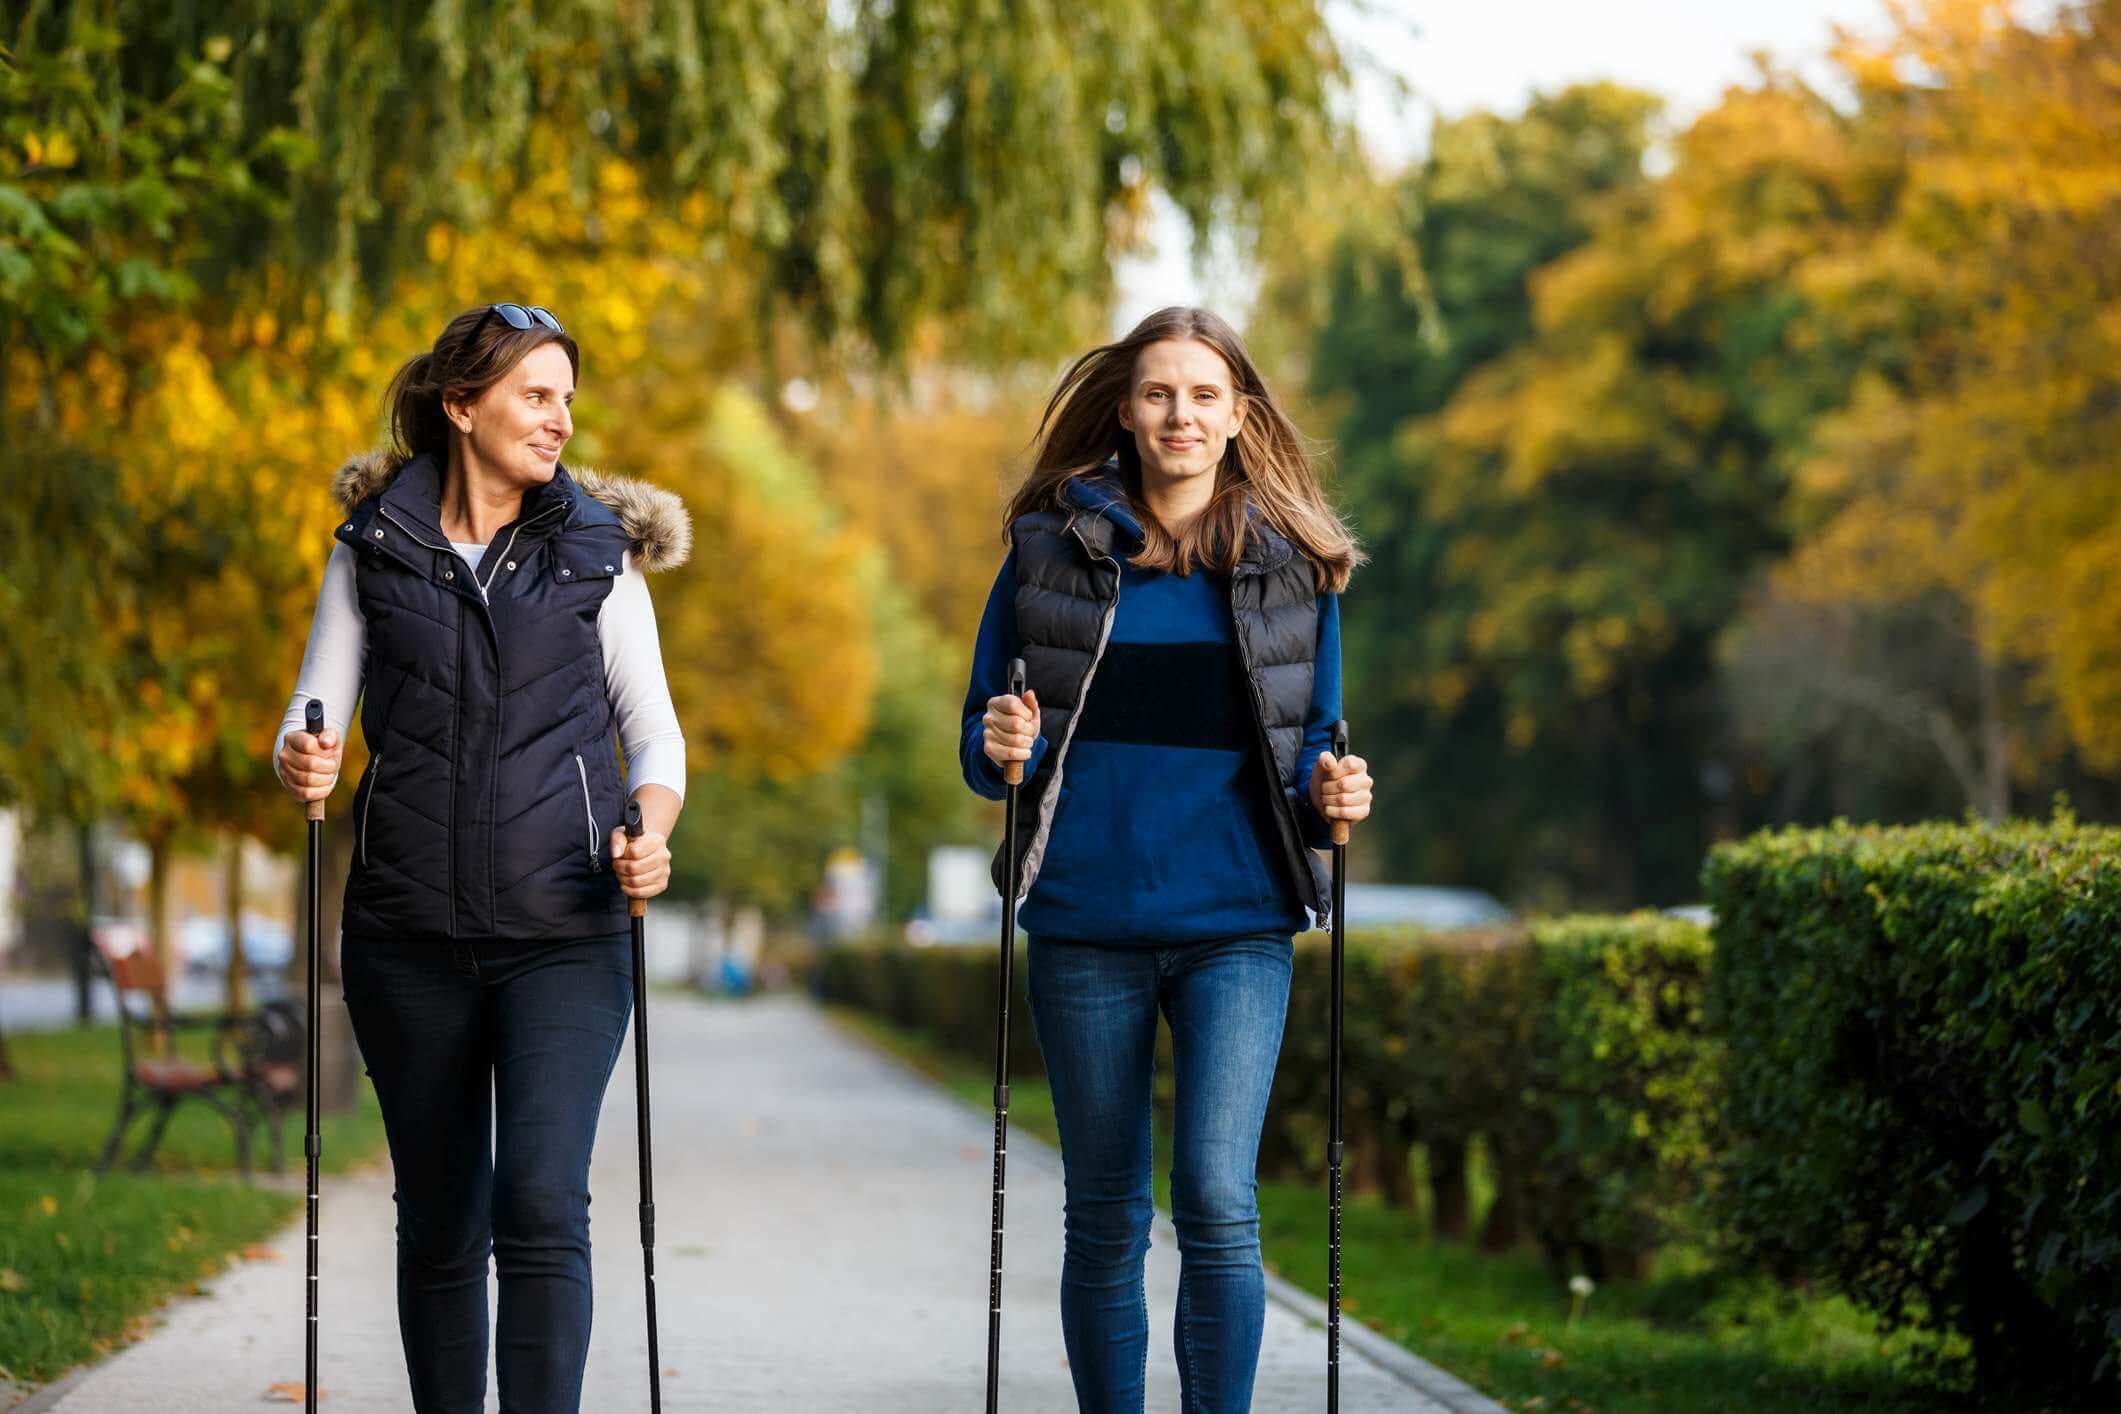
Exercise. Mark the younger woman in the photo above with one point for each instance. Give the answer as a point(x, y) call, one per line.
point(1171, 587)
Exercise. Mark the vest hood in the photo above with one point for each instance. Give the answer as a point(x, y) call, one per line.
point(656, 523)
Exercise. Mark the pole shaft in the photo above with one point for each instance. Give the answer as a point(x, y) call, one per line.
point(1001, 1103)
point(640, 1097)
point(1334, 1150)
point(312, 1142)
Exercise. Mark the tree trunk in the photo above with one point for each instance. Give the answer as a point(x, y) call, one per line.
point(161, 940)
point(238, 977)
point(1504, 1228)
point(84, 945)
point(1397, 1169)
point(1451, 1206)
point(1995, 743)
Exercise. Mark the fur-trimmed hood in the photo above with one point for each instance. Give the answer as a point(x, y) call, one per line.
point(655, 520)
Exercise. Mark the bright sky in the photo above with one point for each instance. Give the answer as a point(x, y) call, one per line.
point(1463, 54)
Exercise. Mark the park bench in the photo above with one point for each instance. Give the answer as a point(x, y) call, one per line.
point(252, 1076)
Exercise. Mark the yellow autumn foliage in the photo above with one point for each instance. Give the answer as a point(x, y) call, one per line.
point(1987, 464)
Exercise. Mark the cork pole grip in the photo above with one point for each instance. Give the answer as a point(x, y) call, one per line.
point(1013, 772)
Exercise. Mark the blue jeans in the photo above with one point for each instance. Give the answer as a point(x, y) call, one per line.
point(1095, 1010)
point(490, 1061)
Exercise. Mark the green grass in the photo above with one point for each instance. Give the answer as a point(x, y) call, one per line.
point(84, 1259)
point(1688, 1338)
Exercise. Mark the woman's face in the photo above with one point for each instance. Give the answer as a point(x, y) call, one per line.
point(1182, 408)
point(518, 426)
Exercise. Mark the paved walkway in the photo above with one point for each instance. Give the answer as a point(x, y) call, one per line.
point(821, 1245)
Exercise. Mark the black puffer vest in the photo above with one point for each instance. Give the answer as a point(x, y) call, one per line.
point(492, 781)
point(1067, 591)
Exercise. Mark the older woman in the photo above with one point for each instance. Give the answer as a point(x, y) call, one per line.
point(486, 607)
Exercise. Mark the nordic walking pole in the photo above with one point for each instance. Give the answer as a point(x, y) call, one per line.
point(1333, 1142)
point(637, 910)
point(1013, 779)
point(312, 1142)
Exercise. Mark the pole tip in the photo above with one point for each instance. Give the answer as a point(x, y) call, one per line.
point(313, 716)
point(1016, 677)
point(633, 819)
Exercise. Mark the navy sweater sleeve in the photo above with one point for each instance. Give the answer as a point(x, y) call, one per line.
point(996, 645)
point(1324, 711)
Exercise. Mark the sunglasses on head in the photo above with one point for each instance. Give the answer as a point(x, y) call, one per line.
point(517, 316)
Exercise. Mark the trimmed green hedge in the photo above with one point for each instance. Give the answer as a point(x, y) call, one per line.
point(1901, 1078)
point(1577, 1056)
point(1924, 1082)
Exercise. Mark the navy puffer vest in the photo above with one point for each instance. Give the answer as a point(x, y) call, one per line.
point(1067, 577)
point(493, 779)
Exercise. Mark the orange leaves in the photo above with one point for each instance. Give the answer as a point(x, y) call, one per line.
point(1984, 464)
point(766, 632)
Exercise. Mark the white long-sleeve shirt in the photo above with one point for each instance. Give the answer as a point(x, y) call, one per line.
point(626, 632)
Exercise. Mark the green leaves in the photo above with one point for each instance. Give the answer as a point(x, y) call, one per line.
point(1923, 1035)
point(876, 168)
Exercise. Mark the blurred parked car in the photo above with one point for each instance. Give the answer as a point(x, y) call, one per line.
point(202, 941)
point(1422, 906)
point(1369, 906)
point(924, 930)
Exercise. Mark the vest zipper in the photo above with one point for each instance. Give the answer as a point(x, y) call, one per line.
point(502, 559)
point(1050, 802)
point(384, 511)
point(375, 779)
point(595, 866)
point(1284, 812)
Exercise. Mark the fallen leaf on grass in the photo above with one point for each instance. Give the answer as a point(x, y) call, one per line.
point(12, 1281)
point(1551, 1360)
point(260, 1252)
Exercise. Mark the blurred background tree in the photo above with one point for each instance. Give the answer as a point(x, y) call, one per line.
point(1772, 479)
point(1754, 468)
point(222, 227)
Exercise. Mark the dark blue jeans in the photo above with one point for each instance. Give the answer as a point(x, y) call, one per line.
point(1095, 1010)
point(490, 1061)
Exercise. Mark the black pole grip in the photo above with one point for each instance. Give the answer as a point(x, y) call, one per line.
point(635, 907)
point(1013, 772)
point(1340, 753)
point(313, 723)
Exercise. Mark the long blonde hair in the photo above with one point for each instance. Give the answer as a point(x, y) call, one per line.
point(1267, 465)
